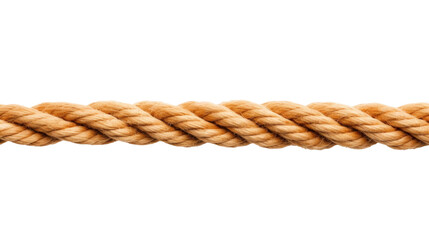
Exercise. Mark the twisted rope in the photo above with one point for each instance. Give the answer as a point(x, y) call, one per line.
point(231, 124)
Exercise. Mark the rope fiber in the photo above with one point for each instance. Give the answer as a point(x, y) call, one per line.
point(230, 124)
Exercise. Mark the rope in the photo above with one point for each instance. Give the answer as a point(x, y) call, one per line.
point(231, 124)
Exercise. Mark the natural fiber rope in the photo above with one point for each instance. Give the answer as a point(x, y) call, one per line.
point(231, 124)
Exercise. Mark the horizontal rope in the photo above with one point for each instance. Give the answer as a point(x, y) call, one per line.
point(230, 124)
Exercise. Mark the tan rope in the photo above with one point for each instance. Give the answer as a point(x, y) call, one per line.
point(231, 124)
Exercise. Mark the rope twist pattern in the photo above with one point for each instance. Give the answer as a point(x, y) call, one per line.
point(230, 124)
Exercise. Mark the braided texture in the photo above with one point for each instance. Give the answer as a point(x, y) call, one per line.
point(230, 124)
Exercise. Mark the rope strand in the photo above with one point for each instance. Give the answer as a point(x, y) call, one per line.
point(230, 124)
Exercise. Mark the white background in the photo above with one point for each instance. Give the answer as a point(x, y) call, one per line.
point(349, 52)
